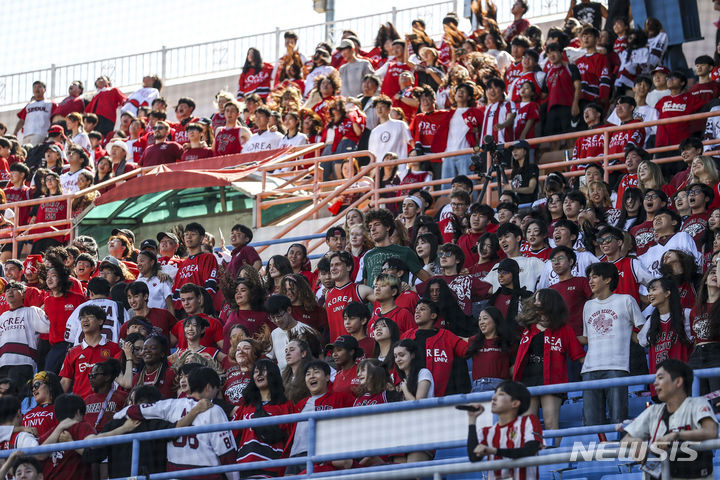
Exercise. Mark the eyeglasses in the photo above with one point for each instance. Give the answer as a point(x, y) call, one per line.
point(94, 375)
point(605, 240)
point(694, 191)
point(458, 205)
point(558, 259)
point(445, 254)
point(159, 127)
point(37, 385)
point(651, 196)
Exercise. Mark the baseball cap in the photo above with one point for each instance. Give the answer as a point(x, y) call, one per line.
point(345, 43)
point(56, 130)
point(661, 69)
point(169, 235)
point(125, 232)
point(335, 232)
point(520, 144)
point(55, 147)
point(323, 54)
point(347, 342)
point(112, 262)
point(117, 143)
point(149, 243)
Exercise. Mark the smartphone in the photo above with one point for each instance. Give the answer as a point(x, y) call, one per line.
point(468, 408)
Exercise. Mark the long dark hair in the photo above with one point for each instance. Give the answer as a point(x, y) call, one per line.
point(394, 337)
point(427, 238)
point(505, 336)
point(494, 244)
point(251, 394)
point(417, 364)
point(517, 295)
point(551, 307)
point(455, 319)
point(677, 316)
point(257, 62)
point(689, 269)
point(635, 193)
point(282, 265)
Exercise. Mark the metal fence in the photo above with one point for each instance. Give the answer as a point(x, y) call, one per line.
point(399, 471)
point(225, 55)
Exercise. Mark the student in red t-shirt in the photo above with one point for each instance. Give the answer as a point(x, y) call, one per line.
point(492, 351)
point(345, 353)
point(106, 398)
point(94, 348)
point(574, 290)
point(387, 289)
point(196, 149)
point(192, 299)
point(228, 138)
point(357, 316)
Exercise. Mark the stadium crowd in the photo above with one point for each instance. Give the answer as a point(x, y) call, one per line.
point(582, 279)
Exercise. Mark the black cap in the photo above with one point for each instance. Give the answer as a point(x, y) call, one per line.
point(149, 243)
point(124, 231)
point(140, 321)
point(520, 144)
point(169, 235)
point(347, 342)
point(111, 262)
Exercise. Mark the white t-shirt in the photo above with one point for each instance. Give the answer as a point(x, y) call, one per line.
point(655, 96)
point(68, 180)
point(530, 270)
point(458, 129)
point(82, 140)
point(266, 140)
point(280, 339)
point(297, 140)
point(608, 326)
point(22, 326)
point(548, 276)
point(680, 241)
point(425, 374)
point(159, 291)
point(310, 79)
point(37, 117)
point(111, 327)
point(391, 136)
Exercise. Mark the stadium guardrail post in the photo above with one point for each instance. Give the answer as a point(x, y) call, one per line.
point(394, 15)
point(163, 63)
point(606, 152)
point(277, 42)
point(135, 461)
point(53, 70)
point(312, 435)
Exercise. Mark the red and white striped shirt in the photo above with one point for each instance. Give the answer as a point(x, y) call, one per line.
point(512, 435)
point(497, 113)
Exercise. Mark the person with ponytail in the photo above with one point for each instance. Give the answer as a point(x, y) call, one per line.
point(667, 332)
point(705, 327)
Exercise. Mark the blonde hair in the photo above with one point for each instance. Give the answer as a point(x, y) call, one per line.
point(709, 169)
point(606, 203)
point(657, 177)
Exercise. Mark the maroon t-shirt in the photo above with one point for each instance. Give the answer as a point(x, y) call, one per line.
point(316, 318)
point(250, 319)
point(161, 153)
point(67, 464)
point(159, 318)
point(575, 291)
point(196, 153)
point(490, 361)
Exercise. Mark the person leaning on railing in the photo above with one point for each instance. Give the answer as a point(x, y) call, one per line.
point(679, 418)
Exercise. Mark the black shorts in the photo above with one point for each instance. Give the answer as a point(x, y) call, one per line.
point(557, 120)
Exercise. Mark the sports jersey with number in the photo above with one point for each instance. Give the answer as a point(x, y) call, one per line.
point(336, 300)
point(116, 317)
point(200, 269)
point(200, 450)
point(512, 435)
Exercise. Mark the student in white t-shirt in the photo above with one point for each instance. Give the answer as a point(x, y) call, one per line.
point(264, 139)
point(608, 321)
point(390, 135)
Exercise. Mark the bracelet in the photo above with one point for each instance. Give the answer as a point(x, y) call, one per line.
point(677, 436)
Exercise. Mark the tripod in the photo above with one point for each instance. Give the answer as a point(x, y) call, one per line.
point(497, 168)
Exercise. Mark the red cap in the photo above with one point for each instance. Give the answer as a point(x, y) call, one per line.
point(661, 69)
point(31, 263)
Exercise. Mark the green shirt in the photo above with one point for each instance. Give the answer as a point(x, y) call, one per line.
point(371, 264)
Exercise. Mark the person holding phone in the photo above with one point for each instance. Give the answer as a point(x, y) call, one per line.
point(513, 436)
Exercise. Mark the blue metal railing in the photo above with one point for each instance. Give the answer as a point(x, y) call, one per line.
point(313, 417)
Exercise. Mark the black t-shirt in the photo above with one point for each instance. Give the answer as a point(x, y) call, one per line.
point(588, 13)
point(522, 179)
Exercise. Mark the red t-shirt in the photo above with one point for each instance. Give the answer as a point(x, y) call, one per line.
point(58, 310)
point(235, 382)
point(161, 153)
point(671, 107)
point(345, 380)
point(68, 464)
point(316, 318)
point(250, 319)
point(404, 320)
point(94, 403)
point(336, 300)
point(391, 85)
point(213, 333)
point(42, 418)
point(200, 269)
point(80, 361)
point(490, 361)
point(227, 141)
point(166, 385)
point(575, 291)
point(196, 154)
point(13, 194)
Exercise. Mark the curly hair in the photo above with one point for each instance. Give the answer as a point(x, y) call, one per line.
point(303, 290)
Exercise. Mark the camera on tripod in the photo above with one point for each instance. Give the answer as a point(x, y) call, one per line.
point(497, 154)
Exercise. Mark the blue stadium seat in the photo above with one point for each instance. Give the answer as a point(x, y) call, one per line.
point(457, 452)
point(571, 415)
point(624, 476)
point(591, 472)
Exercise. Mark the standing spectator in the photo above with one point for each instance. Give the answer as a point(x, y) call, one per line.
point(389, 136)
point(263, 139)
point(199, 268)
point(256, 76)
point(657, 42)
point(660, 87)
point(608, 322)
point(459, 132)
point(20, 328)
point(162, 151)
point(492, 350)
point(228, 138)
point(35, 117)
point(574, 290)
point(105, 104)
point(353, 71)
point(144, 96)
point(78, 136)
point(588, 12)
point(390, 72)
point(593, 68)
point(676, 104)
point(705, 331)
point(499, 113)
point(73, 102)
point(519, 24)
point(564, 88)
point(197, 149)
point(524, 175)
point(426, 125)
point(183, 113)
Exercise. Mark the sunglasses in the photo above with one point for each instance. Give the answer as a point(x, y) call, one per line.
point(37, 385)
